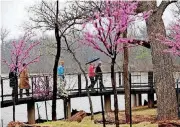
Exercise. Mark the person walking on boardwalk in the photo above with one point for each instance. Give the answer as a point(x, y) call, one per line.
point(12, 80)
point(24, 81)
point(61, 70)
point(91, 74)
point(61, 87)
point(98, 76)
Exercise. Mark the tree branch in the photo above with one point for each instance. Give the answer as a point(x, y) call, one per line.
point(141, 42)
point(164, 4)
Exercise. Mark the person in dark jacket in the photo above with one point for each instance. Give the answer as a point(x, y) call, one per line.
point(98, 76)
point(12, 80)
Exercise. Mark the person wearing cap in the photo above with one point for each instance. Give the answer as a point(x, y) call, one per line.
point(61, 70)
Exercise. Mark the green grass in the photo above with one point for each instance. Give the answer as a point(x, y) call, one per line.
point(86, 122)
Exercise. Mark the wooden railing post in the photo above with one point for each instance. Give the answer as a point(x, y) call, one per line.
point(2, 89)
point(79, 84)
point(47, 84)
point(32, 86)
point(16, 89)
point(119, 79)
point(150, 79)
point(150, 93)
point(35, 82)
point(67, 108)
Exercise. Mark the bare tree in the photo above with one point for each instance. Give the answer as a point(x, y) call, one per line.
point(176, 11)
point(4, 34)
point(72, 51)
point(46, 17)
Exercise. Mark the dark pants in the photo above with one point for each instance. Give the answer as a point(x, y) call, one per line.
point(15, 93)
point(93, 82)
point(21, 92)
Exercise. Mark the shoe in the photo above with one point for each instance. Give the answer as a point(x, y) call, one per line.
point(103, 88)
point(89, 87)
point(93, 90)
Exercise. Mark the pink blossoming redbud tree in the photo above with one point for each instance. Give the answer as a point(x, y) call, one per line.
point(173, 41)
point(20, 54)
point(41, 90)
point(105, 33)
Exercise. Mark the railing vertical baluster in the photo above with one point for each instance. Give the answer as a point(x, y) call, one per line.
point(79, 84)
point(119, 79)
point(32, 86)
point(47, 84)
point(2, 89)
point(35, 82)
point(140, 78)
point(150, 79)
point(115, 78)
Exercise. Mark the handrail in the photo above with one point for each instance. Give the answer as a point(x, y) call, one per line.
point(46, 79)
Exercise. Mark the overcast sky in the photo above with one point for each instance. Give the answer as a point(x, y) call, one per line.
point(14, 13)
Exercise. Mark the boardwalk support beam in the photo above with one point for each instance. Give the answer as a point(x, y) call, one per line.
point(107, 103)
point(67, 108)
point(31, 112)
point(139, 98)
point(79, 84)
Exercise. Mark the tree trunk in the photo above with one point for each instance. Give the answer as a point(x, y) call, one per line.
point(84, 74)
point(58, 40)
point(126, 83)
point(113, 81)
point(162, 67)
point(86, 79)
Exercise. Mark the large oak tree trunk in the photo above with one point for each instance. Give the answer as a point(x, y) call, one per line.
point(162, 67)
point(113, 81)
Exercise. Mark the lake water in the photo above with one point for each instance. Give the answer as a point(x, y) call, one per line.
point(80, 103)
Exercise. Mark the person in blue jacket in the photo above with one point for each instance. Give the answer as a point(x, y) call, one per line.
point(61, 87)
point(61, 70)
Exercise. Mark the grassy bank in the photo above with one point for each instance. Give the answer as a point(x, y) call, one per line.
point(142, 114)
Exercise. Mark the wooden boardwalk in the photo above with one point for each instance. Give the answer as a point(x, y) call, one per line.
point(45, 81)
point(74, 94)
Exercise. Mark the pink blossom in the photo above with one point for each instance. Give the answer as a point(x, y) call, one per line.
point(147, 14)
point(20, 54)
point(172, 42)
point(110, 24)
